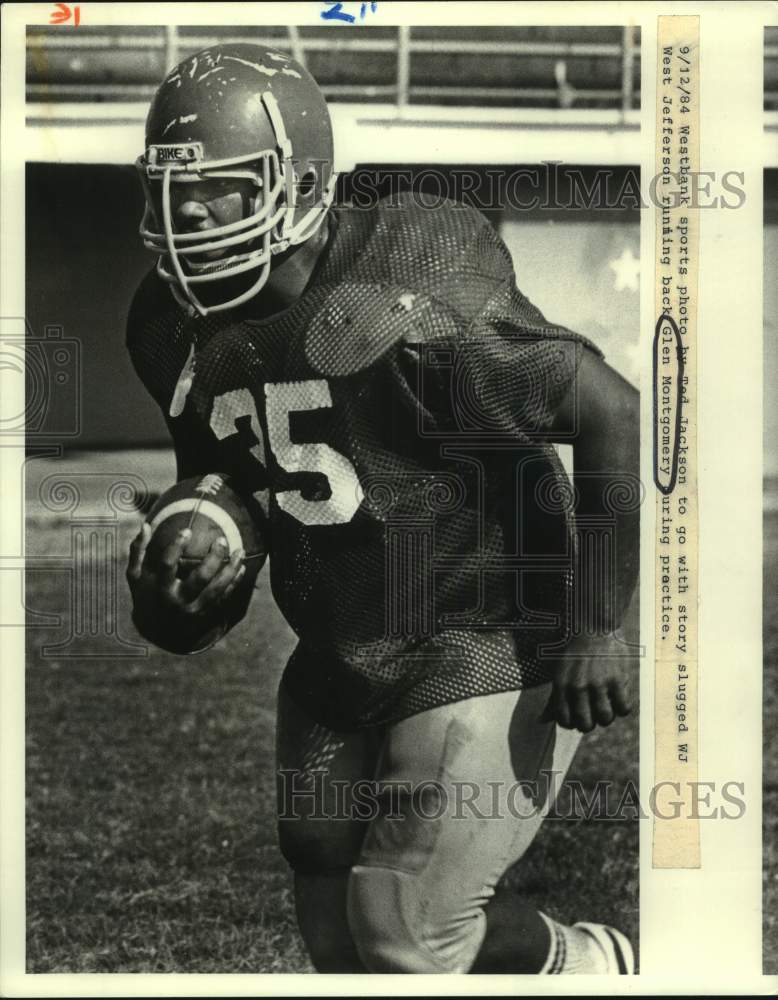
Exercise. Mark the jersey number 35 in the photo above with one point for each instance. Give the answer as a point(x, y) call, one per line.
point(281, 399)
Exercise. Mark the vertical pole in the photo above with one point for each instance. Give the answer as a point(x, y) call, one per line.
point(403, 64)
point(298, 53)
point(171, 47)
point(627, 67)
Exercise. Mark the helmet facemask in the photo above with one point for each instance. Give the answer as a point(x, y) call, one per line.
point(271, 228)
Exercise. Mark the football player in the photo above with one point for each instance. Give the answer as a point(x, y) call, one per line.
point(375, 380)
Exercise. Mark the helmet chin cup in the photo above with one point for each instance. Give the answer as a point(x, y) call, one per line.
point(192, 303)
point(245, 246)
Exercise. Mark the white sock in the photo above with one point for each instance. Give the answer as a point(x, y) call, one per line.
point(572, 952)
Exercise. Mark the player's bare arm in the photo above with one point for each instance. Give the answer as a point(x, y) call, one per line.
point(591, 682)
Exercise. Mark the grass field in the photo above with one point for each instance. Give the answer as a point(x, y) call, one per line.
point(151, 841)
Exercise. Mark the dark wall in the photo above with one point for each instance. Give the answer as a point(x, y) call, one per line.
point(84, 261)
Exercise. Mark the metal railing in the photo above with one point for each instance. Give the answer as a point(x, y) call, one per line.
point(405, 66)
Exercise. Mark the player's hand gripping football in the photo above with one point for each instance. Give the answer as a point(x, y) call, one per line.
point(178, 614)
point(591, 684)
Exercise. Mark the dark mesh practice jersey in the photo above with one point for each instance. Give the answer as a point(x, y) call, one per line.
point(391, 425)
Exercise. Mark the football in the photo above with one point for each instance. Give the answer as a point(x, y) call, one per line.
point(211, 509)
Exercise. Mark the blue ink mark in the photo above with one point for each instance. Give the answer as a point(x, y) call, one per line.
point(336, 13)
point(668, 399)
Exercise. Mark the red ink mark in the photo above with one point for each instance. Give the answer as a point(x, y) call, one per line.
point(63, 14)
